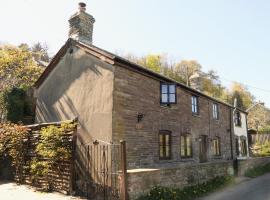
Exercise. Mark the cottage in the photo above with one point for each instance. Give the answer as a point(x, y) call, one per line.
point(163, 121)
point(241, 133)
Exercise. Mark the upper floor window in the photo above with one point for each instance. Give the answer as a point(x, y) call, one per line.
point(216, 146)
point(237, 118)
point(186, 146)
point(164, 145)
point(168, 93)
point(195, 105)
point(215, 111)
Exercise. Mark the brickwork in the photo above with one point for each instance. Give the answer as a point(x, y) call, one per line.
point(136, 93)
point(142, 180)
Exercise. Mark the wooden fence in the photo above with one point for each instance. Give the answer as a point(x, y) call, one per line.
point(59, 177)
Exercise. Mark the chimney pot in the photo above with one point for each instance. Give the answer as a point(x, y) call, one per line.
point(82, 6)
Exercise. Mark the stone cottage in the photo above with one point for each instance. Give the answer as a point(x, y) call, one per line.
point(163, 122)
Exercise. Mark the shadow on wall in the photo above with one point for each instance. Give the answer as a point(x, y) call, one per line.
point(57, 100)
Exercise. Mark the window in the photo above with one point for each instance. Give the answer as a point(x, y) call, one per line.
point(168, 93)
point(215, 111)
point(237, 146)
point(164, 145)
point(243, 146)
point(216, 146)
point(195, 105)
point(186, 146)
point(237, 119)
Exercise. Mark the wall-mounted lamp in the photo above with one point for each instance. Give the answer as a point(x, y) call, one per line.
point(140, 117)
point(95, 142)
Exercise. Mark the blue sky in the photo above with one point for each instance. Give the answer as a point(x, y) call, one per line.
point(231, 37)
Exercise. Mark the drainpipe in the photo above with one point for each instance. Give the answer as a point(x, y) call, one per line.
point(231, 136)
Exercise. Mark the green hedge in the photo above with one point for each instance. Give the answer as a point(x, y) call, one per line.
point(258, 171)
point(187, 193)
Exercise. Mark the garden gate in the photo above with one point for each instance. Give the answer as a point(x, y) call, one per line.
point(100, 171)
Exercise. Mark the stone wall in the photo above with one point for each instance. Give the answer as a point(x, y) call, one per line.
point(245, 164)
point(138, 93)
point(140, 181)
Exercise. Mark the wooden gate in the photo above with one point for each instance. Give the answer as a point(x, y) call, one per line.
point(100, 171)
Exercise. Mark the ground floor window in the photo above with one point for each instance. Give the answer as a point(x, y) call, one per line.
point(216, 146)
point(164, 145)
point(243, 146)
point(186, 146)
point(237, 147)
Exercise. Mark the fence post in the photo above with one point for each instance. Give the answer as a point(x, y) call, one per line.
point(123, 188)
point(72, 164)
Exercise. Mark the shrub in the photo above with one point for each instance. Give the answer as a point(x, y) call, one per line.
point(12, 144)
point(53, 146)
point(261, 149)
point(187, 193)
point(258, 171)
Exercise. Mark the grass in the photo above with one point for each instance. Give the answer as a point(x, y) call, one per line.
point(187, 193)
point(258, 171)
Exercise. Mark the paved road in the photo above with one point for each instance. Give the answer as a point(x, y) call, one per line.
point(254, 189)
point(11, 191)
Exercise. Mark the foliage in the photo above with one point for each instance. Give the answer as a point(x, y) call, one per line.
point(40, 52)
point(244, 98)
point(12, 144)
point(17, 67)
point(265, 129)
point(52, 147)
point(261, 149)
point(188, 68)
point(3, 106)
point(187, 193)
point(258, 117)
point(53, 143)
point(18, 72)
point(258, 171)
point(15, 104)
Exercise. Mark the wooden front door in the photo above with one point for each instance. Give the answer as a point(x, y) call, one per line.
point(203, 148)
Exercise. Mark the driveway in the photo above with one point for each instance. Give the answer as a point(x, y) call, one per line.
point(254, 189)
point(11, 191)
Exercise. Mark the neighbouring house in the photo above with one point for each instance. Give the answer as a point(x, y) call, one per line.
point(163, 122)
point(259, 116)
point(241, 133)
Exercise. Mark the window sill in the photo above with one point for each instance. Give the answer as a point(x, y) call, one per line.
point(239, 126)
point(196, 115)
point(187, 158)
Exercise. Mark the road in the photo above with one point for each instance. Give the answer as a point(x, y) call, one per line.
point(254, 189)
point(11, 191)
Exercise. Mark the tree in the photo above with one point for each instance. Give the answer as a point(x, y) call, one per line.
point(18, 73)
point(40, 53)
point(187, 68)
point(258, 117)
point(244, 98)
point(17, 67)
point(212, 86)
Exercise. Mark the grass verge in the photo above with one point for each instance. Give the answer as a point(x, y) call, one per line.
point(258, 171)
point(187, 193)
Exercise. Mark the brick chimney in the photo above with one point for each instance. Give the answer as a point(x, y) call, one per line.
point(81, 25)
